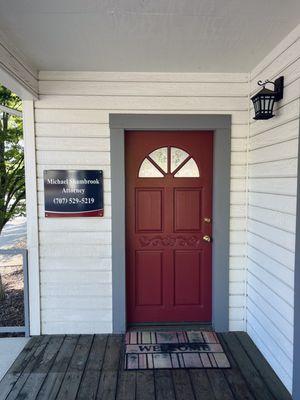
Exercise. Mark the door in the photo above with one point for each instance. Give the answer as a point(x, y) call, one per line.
point(168, 226)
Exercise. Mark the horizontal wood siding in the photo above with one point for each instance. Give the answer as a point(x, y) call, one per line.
point(273, 158)
point(72, 131)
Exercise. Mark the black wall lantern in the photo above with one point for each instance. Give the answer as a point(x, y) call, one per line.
point(264, 100)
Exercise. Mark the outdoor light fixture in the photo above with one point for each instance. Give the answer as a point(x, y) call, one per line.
point(264, 100)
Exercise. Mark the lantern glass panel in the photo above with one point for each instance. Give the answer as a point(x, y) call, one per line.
point(260, 104)
point(267, 104)
point(271, 105)
point(255, 102)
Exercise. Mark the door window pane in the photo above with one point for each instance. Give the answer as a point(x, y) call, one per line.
point(189, 170)
point(177, 157)
point(160, 157)
point(148, 170)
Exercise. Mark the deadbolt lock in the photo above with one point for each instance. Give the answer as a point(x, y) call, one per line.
point(207, 220)
point(207, 238)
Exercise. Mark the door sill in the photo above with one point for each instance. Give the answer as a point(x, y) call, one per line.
point(169, 326)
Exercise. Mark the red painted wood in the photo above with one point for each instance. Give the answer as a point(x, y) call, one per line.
point(92, 213)
point(148, 267)
point(168, 264)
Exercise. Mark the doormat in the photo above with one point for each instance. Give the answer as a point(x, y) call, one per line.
point(168, 350)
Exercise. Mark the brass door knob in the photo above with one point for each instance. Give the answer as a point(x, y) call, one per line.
point(207, 238)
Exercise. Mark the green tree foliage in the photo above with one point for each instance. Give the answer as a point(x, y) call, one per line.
point(12, 176)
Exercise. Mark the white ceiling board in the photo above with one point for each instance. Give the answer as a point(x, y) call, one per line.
point(147, 35)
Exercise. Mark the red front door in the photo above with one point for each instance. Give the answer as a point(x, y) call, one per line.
point(168, 215)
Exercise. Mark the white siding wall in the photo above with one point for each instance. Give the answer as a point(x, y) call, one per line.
point(273, 152)
point(72, 131)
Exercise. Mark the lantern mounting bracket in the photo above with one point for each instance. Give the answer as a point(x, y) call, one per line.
point(278, 86)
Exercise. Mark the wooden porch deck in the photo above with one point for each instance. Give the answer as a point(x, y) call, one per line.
point(90, 367)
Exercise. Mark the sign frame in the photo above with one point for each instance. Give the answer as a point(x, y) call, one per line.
point(73, 193)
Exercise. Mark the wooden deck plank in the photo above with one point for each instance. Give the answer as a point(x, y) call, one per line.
point(234, 376)
point(274, 384)
point(145, 389)
point(182, 385)
point(36, 356)
point(201, 385)
point(41, 368)
point(164, 389)
point(18, 366)
point(248, 370)
point(72, 379)
point(54, 379)
point(126, 385)
point(219, 385)
point(109, 376)
point(89, 384)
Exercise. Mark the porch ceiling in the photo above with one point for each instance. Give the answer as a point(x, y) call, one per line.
point(147, 35)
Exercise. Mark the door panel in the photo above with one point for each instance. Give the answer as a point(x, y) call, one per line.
point(168, 197)
point(149, 211)
point(187, 199)
point(148, 278)
point(187, 278)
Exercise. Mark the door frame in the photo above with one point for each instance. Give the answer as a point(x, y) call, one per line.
point(221, 127)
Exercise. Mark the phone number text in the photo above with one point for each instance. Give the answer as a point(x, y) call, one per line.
point(73, 200)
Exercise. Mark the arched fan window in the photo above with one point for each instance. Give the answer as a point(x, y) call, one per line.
point(169, 160)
